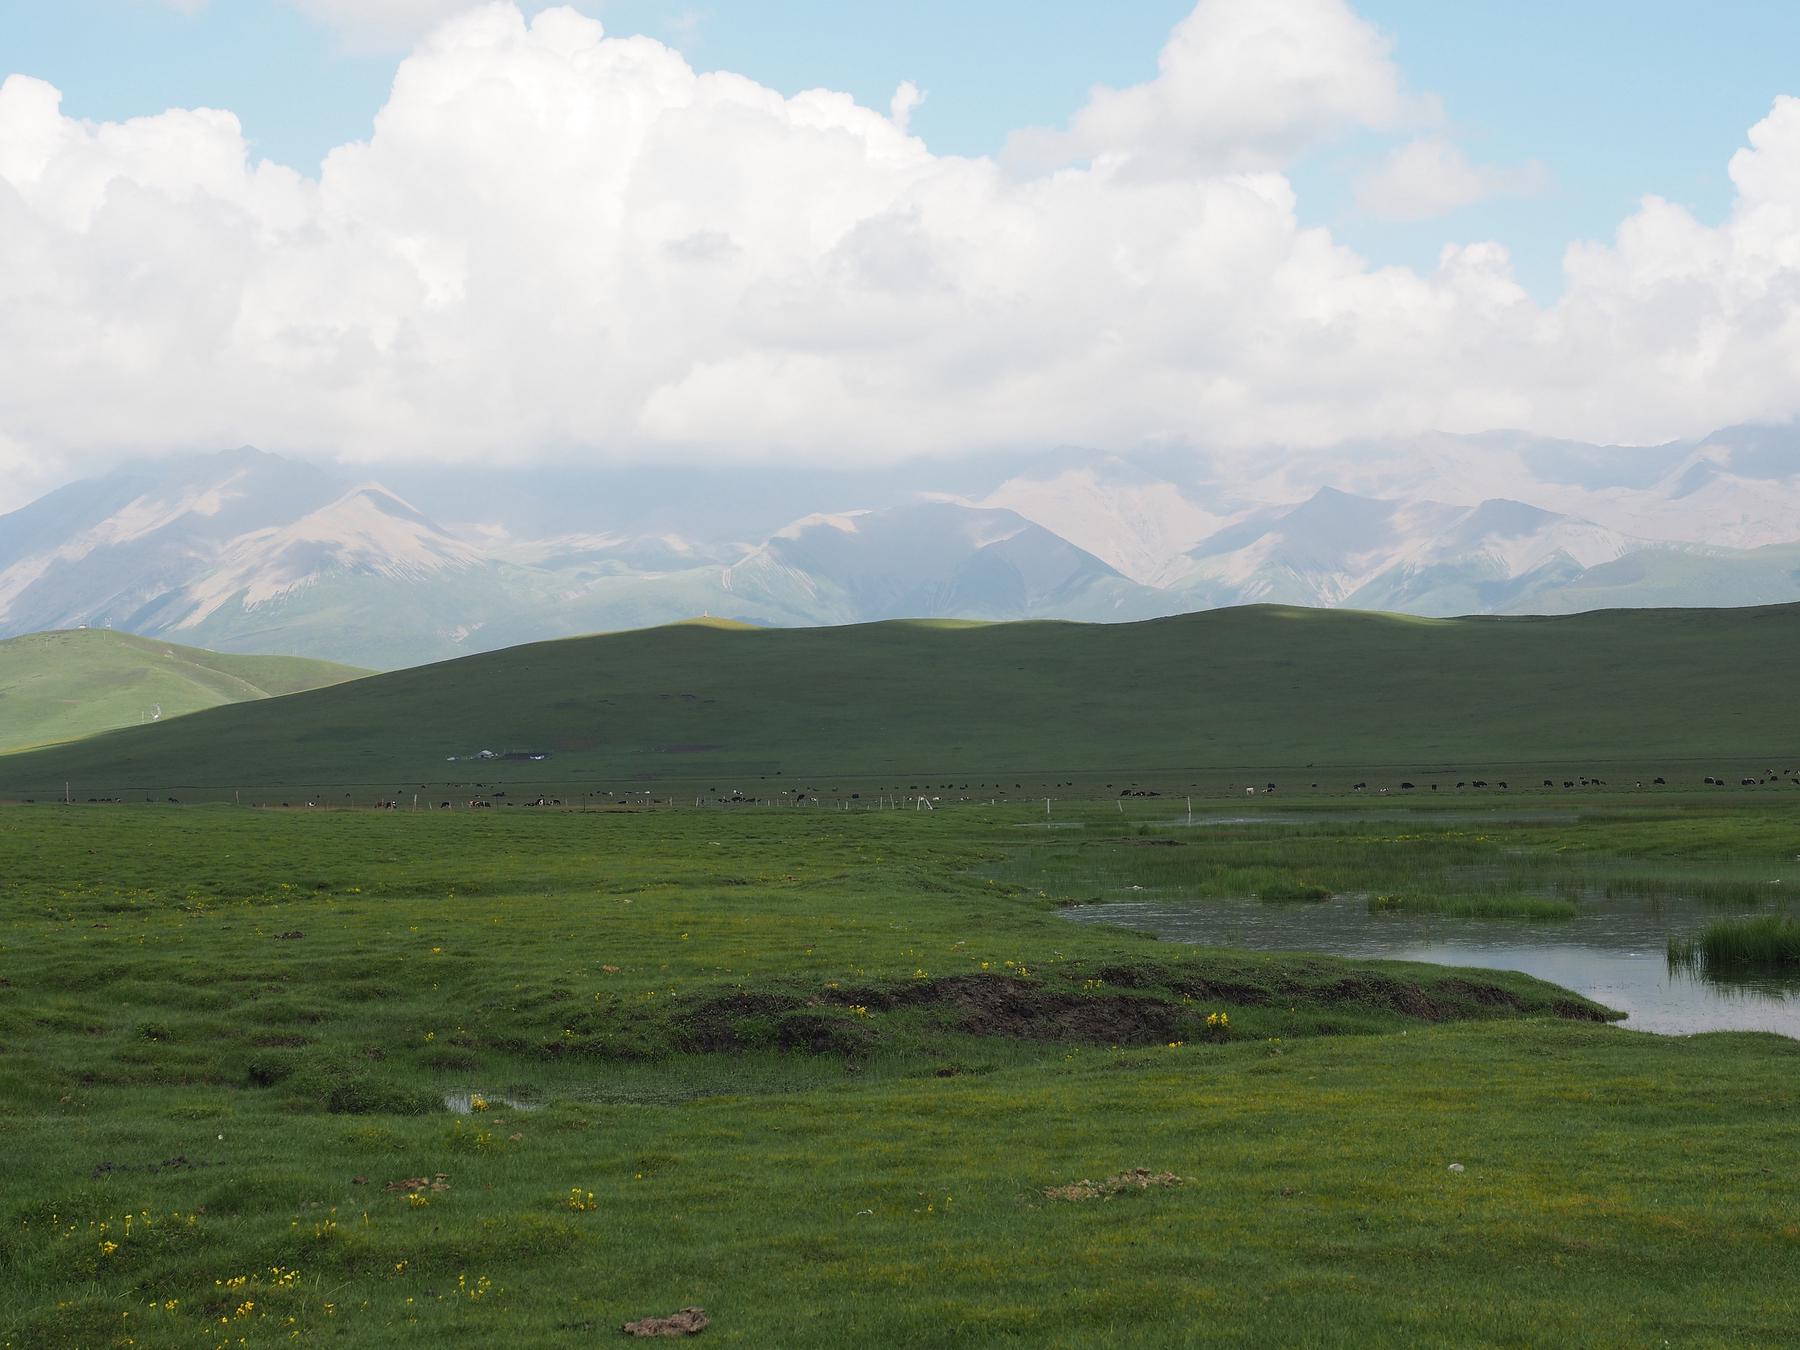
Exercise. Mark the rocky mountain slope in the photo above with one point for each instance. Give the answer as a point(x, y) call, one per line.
point(247, 551)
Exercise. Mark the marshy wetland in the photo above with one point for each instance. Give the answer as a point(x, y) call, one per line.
point(854, 1075)
point(1617, 909)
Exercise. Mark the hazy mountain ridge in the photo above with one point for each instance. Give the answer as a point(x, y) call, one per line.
point(247, 551)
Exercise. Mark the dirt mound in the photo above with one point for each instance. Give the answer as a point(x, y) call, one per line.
point(1136, 1179)
point(1005, 1005)
point(1385, 993)
point(1236, 992)
point(1024, 1011)
point(820, 1034)
point(436, 1185)
point(687, 1322)
point(1488, 995)
point(733, 1021)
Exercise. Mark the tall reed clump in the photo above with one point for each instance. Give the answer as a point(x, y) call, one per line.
point(1768, 942)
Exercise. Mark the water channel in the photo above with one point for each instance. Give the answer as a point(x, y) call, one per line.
point(1614, 951)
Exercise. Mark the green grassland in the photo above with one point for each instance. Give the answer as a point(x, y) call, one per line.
point(818, 1071)
point(1199, 698)
point(67, 685)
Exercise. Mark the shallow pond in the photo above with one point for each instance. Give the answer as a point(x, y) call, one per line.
point(1614, 950)
point(461, 1102)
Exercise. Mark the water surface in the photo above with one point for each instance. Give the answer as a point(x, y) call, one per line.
point(1614, 951)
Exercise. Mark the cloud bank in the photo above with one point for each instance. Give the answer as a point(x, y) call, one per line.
point(555, 243)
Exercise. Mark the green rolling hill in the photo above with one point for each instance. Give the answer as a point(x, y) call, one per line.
point(66, 685)
point(1204, 693)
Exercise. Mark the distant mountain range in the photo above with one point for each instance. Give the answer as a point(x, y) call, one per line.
point(245, 551)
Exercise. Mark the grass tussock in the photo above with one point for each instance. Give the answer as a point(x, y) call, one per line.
point(1288, 892)
point(1769, 942)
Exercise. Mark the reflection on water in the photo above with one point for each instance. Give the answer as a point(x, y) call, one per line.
point(1614, 951)
point(462, 1101)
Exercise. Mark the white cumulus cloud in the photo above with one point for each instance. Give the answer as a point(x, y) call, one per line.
point(1432, 176)
point(1241, 84)
point(554, 243)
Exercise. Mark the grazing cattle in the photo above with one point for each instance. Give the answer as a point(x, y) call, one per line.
point(1503, 785)
point(1406, 787)
point(1567, 783)
point(1746, 782)
point(1460, 785)
point(1481, 782)
point(1657, 782)
point(1360, 787)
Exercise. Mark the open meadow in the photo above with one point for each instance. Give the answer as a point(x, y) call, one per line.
point(854, 1077)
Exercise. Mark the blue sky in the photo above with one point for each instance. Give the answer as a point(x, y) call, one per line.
point(1617, 98)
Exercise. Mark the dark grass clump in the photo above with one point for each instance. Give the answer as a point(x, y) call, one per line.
point(1769, 942)
point(1287, 892)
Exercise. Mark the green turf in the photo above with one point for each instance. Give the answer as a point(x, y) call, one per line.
point(66, 685)
point(901, 707)
point(817, 1072)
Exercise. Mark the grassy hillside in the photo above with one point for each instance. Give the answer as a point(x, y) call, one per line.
point(1251, 687)
point(61, 686)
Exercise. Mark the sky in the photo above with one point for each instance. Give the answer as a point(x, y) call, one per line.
point(790, 231)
